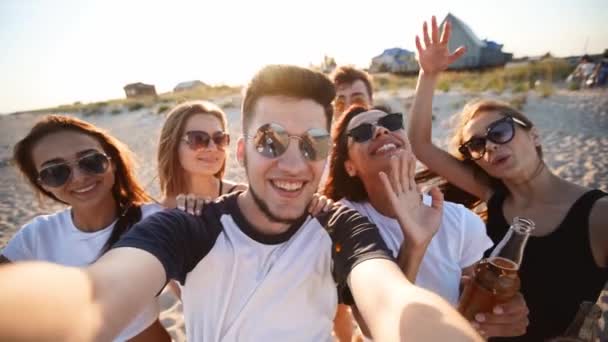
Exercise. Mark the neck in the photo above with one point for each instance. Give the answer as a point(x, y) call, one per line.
point(537, 185)
point(97, 218)
point(258, 220)
point(203, 185)
point(378, 199)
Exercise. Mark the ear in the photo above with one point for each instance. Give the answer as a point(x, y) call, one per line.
point(535, 136)
point(240, 151)
point(350, 168)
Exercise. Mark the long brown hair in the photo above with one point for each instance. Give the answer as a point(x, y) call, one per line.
point(170, 171)
point(128, 194)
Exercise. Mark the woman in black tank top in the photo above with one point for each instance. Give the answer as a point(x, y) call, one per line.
point(496, 157)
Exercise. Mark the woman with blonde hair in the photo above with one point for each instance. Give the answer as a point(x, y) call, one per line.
point(496, 157)
point(75, 163)
point(192, 154)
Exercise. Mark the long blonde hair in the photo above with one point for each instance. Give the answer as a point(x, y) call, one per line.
point(170, 172)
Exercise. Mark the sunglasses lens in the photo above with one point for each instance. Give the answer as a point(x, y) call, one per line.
point(392, 122)
point(197, 139)
point(477, 147)
point(96, 163)
point(501, 133)
point(362, 133)
point(315, 144)
point(271, 140)
point(221, 139)
point(55, 175)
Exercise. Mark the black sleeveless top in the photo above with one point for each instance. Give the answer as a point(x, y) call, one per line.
point(558, 271)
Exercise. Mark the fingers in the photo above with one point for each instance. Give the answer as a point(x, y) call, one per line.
point(412, 173)
point(404, 172)
point(180, 202)
point(394, 175)
point(418, 45)
point(446, 33)
point(199, 204)
point(516, 305)
point(507, 319)
point(436, 198)
point(425, 35)
point(388, 187)
point(514, 327)
point(456, 54)
point(328, 205)
point(190, 203)
point(312, 207)
point(434, 30)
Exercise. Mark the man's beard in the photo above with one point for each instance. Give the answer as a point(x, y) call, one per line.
point(263, 206)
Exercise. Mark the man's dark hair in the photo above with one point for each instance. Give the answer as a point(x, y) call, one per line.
point(348, 75)
point(290, 81)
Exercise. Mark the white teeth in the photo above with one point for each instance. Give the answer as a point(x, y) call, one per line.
point(386, 147)
point(88, 188)
point(288, 186)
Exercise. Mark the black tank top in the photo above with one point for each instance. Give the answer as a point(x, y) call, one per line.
point(558, 271)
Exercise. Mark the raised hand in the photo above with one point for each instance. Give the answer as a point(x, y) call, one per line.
point(419, 222)
point(435, 56)
point(191, 203)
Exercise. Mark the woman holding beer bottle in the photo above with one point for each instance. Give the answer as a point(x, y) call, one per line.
point(497, 158)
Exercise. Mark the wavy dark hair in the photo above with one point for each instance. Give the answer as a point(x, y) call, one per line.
point(339, 183)
point(128, 194)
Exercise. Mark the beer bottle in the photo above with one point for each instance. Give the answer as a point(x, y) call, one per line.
point(496, 280)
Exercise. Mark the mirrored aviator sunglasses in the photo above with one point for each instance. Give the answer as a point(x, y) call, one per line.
point(365, 131)
point(58, 174)
point(499, 132)
point(272, 140)
point(201, 139)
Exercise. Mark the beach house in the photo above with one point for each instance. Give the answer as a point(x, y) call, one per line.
point(139, 89)
point(480, 53)
point(394, 60)
point(182, 86)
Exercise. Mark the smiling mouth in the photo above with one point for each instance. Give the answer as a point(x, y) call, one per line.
point(500, 160)
point(289, 186)
point(85, 189)
point(387, 148)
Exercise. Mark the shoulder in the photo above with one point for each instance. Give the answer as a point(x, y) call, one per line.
point(231, 186)
point(598, 220)
point(149, 209)
point(45, 223)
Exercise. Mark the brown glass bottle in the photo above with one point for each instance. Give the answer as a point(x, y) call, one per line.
point(496, 279)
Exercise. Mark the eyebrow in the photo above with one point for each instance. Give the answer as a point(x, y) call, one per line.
point(61, 160)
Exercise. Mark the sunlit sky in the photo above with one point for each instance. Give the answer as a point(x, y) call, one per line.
point(58, 51)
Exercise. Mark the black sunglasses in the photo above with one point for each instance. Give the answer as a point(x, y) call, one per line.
point(201, 139)
point(365, 131)
point(499, 132)
point(272, 140)
point(56, 175)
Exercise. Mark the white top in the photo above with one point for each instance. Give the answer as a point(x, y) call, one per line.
point(55, 238)
point(460, 242)
point(242, 285)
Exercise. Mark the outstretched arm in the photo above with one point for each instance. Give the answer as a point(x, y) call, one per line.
point(75, 304)
point(434, 57)
point(396, 310)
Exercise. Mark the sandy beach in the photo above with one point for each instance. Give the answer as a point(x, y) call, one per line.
point(573, 126)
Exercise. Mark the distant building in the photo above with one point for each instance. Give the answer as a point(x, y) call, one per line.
point(139, 89)
point(394, 60)
point(480, 53)
point(189, 85)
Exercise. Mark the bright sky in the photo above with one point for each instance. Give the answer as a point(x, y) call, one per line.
point(59, 51)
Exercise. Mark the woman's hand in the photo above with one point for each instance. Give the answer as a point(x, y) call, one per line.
point(435, 56)
point(419, 222)
point(191, 203)
point(320, 203)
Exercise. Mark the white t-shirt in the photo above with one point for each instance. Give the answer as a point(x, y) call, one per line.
point(55, 238)
point(239, 284)
point(460, 242)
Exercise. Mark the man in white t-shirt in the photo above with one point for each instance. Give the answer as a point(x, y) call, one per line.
point(254, 266)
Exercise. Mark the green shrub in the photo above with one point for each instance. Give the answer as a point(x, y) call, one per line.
point(135, 106)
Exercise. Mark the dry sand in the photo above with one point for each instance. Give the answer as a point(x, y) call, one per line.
point(573, 126)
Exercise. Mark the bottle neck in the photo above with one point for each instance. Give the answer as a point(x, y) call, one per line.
point(512, 246)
